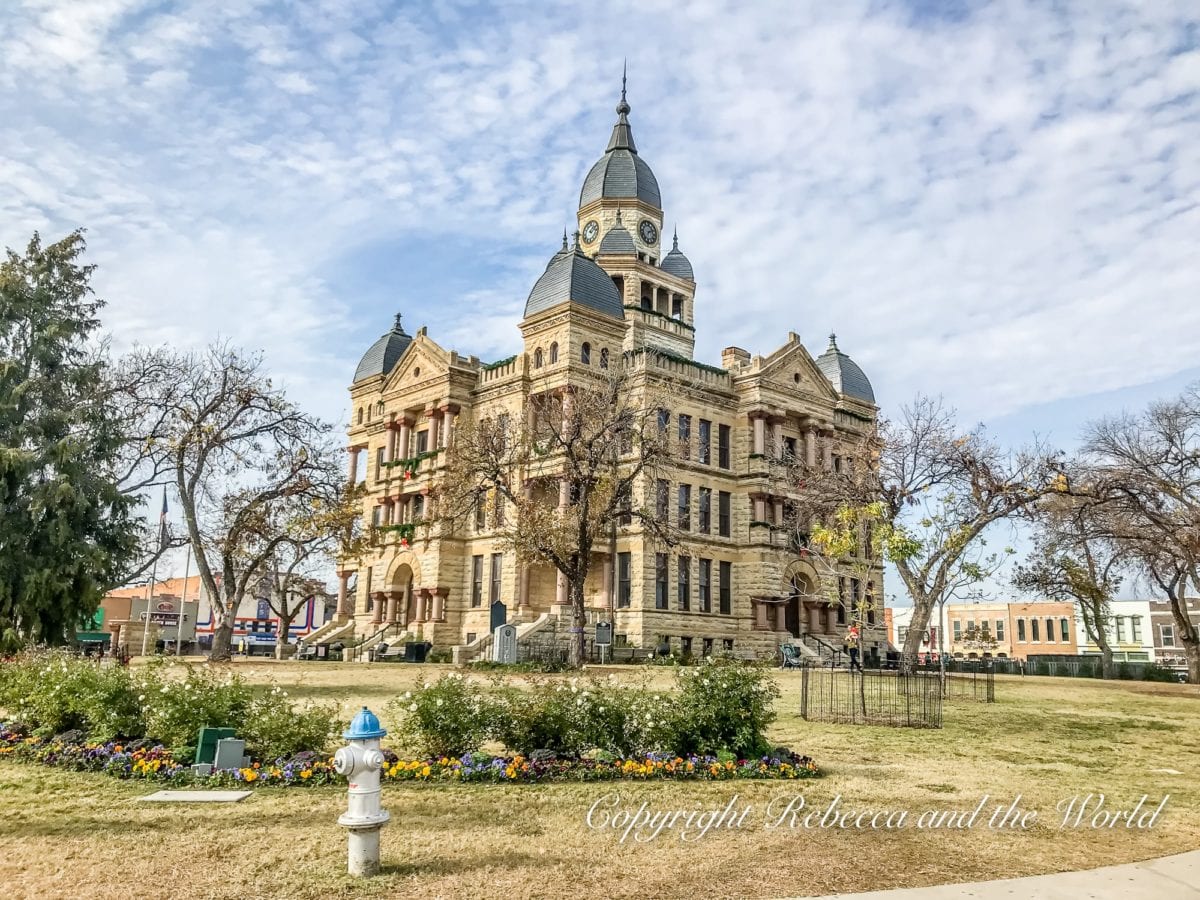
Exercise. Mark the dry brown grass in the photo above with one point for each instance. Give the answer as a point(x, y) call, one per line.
point(85, 836)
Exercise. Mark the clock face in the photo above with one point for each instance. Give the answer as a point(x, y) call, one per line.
point(648, 232)
point(590, 231)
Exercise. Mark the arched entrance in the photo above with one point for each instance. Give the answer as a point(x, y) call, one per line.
point(800, 587)
point(403, 594)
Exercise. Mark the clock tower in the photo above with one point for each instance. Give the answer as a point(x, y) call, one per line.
point(621, 227)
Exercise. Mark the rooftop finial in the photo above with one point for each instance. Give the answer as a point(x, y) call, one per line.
point(398, 326)
point(622, 136)
point(832, 341)
point(675, 238)
point(578, 248)
point(564, 239)
point(618, 213)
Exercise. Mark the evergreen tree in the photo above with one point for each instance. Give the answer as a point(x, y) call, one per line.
point(66, 530)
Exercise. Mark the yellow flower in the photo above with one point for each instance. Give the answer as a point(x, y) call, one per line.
point(307, 773)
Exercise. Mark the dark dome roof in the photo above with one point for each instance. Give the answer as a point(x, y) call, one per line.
point(620, 173)
point(571, 276)
point(843, 372)
point(384, 353)
point(675, 263)
point(618, 239)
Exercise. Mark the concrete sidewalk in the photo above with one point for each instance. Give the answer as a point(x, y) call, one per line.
point(1168, 878)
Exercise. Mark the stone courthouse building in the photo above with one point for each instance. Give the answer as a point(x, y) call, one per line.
point(622, 296)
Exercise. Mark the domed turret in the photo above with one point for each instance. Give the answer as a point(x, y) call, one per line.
point(618, 239)
point(384, 353)
point(843, 372)
point(572, 277)
point(676, 263)
point(620, 173)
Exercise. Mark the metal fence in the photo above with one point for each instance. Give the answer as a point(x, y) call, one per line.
point(871, 697)
point(968, 680)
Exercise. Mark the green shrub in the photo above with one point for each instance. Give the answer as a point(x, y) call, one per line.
point(275, 728)
point(723, 707)
point(175, 710)
point(54, 691)
point(447, 718)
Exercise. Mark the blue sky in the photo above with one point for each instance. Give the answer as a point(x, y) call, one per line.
point(999, 203)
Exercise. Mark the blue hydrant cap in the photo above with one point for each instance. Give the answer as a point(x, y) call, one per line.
point(364, 726)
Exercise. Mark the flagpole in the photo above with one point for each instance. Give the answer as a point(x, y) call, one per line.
point(149, 590)
point(187, 567)
point(162, 543)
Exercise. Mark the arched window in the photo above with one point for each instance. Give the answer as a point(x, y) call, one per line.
point(379, 408)
point(554, 352)
point(604, 358)
point(368, 412)
point(585, 354)
point(360, 415)
point(537, 358)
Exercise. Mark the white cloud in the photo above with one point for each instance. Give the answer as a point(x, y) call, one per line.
point(1001, 208)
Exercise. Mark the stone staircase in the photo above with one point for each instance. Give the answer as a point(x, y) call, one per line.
point(330, 632)
point(823, 652)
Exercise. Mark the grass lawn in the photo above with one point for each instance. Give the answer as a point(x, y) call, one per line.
point(1046, 738)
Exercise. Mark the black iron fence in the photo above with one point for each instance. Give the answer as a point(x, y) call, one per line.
point(973, 679)
point(871, 697)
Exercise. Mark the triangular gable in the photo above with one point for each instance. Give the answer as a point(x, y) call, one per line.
point(423, 353)
point(780, 368)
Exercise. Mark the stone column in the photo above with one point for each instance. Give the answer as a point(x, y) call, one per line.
point(827, 461)
point(449, 412)
point(391, 606)
point(389, 450)
point(389, 511)
point(435, 421)
point(439, 603)
point(760, 427)
point(760, 508)
point(523, 592)
point(814, 619)
point(344, 609)
point(810, 447)
point(560, 590)
point(568, 408)
point(607, 578)
point(378, 600)
point(760, 615)
point(405, 436)
point(353, 464)
point(777, 435)
point(422, 597)
point(779, 512)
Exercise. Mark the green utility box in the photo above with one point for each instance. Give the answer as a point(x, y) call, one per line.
point(206, 744)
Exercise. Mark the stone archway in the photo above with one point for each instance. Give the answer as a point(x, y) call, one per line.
point(403, 578)
point(803, 610)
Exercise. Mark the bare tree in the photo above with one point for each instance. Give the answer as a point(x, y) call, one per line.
point(925, 493)
point(1149, 467)
point(307, 530)
point(1076, 560)
point(561, 476)
point(141, 390)
point(236, 447)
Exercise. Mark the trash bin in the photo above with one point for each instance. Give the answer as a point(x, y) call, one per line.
point(416, 651)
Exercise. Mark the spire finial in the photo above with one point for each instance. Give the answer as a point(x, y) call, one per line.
point(832, 341)
point(564, 238)
point(397, 326)
point(675, 238)
point(622, 137)
point(618, 213)
point(578, 248)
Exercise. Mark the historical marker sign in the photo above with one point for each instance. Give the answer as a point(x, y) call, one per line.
point(603, 634)
point(504, 644)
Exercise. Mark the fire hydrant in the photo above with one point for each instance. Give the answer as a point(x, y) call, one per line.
point(360, 762)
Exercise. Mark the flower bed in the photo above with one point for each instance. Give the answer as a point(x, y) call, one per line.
point(157, 763)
